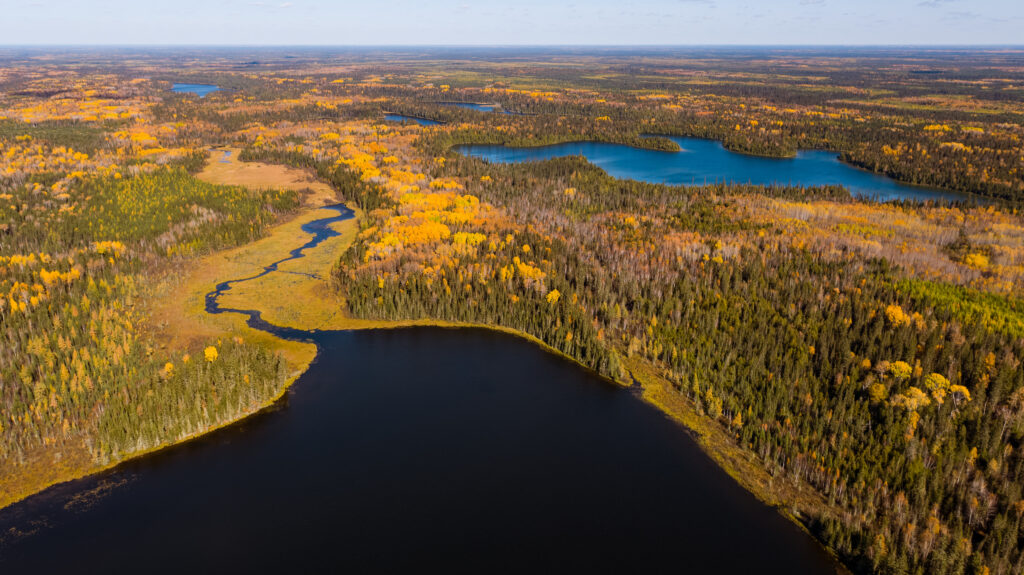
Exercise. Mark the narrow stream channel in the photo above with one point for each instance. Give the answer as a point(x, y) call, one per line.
point(320, 230)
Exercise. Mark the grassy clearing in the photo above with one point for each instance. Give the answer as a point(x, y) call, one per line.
point(178, 310)
point(43, 468)
point(260, 176)
point(311, 304)
point(179, 317)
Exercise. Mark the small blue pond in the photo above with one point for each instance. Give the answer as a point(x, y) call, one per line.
point(200, 90)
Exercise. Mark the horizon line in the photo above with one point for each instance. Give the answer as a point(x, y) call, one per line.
point(350, 46)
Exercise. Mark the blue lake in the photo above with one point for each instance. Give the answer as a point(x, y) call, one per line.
point(200, 90)
point(707, 161)
point(472, 106)
point(403, 118)
point(481, 107)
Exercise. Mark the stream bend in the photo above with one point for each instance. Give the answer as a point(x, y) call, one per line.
point(321, 230)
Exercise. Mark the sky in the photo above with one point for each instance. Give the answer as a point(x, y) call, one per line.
point(516, 22)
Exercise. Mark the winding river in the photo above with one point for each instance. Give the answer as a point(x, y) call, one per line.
point(708, 161)
point(416, 449)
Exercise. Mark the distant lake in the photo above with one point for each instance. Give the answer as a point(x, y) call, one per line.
point(481, 107)
point(472, 106)
point(404, 118)
point(200, 90)
point(707, 161)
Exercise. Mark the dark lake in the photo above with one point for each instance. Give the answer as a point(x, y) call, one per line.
point(418, 449)
point(200, 90)
point(412, 449)
point(707, 161)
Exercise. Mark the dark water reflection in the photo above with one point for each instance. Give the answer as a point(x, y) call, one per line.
point(407, 449)
point(416, 449)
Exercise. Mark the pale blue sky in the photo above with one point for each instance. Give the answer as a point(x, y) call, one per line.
point(455, 22)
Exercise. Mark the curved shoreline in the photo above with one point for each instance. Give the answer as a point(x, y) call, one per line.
point(969, 198)
point(649, 387)
point(321, 231)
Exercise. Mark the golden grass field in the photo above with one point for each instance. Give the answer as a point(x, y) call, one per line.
point(179, 304)
point(255, 175)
